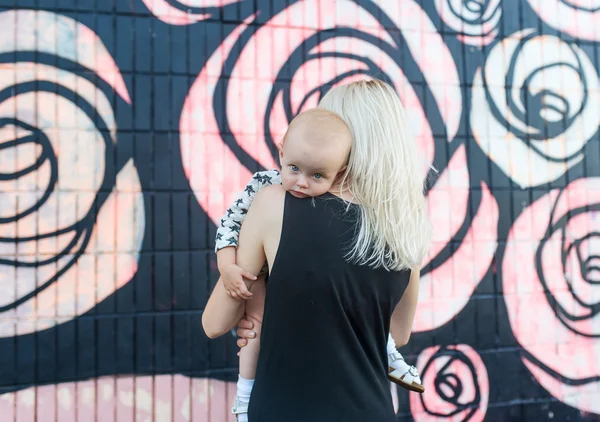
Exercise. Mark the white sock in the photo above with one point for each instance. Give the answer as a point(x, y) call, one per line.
point(391, 345)
point(244, 388)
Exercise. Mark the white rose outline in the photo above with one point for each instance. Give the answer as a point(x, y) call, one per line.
point(534, 107)
point(573, 17)
point(475, 23)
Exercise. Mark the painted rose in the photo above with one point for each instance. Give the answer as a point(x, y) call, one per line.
point(578, 18)
point(62, 247)
point(184, 12)
point(474, 21)
point(551, 279)
point(535, 106)
point(456, 385)
point(238, 109)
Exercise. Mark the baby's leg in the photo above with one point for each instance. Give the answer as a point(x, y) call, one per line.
point(255, 308)
point(249, 354)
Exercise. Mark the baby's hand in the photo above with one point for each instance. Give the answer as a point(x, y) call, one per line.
point(233, 281)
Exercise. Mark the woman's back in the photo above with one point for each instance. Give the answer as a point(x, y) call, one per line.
point(326, 322)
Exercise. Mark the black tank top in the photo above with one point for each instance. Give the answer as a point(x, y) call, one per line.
point(326, 321)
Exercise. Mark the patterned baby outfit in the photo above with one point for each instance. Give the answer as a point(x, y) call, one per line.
point(229, 230)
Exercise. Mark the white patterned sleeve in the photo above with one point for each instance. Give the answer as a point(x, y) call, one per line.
point(229, 228)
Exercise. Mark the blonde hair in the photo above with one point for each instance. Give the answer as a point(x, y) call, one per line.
point(384, 176)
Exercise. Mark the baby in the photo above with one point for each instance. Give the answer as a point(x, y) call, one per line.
point(313, 156)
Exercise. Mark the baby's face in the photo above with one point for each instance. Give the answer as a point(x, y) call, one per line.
point(312, 159)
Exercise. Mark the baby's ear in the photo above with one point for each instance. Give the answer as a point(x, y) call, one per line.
point(340, 175)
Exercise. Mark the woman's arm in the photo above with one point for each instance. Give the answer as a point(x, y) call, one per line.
point(222, 312)
point(404, 314)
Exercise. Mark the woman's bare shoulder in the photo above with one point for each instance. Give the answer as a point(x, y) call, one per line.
point(268, 206)
point(270, 195)
point(268, 202)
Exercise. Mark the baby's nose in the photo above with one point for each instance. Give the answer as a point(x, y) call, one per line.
point(302, 182)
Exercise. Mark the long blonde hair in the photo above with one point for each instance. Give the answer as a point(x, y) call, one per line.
point(384, 176)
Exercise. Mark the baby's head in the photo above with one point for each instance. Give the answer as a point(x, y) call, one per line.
point(314, 152)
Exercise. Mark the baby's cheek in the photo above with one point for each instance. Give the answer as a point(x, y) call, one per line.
point(321, 188)
point(287, 181)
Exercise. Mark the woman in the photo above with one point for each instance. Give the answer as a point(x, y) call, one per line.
point(340, 266)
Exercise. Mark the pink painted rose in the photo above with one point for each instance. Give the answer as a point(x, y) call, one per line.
point(456, 385)
point(262, 76)
point(240, 105)
point(475, 22)
point(551, 279)
point(70, 224)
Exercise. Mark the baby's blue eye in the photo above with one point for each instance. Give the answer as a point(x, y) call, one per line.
point(318, 175)
point(294, 168)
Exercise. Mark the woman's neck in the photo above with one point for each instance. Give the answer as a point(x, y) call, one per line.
point(344, 194)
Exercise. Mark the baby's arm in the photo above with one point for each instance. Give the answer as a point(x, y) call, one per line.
point(222, 312)
point(228, 233)
point(232, 274)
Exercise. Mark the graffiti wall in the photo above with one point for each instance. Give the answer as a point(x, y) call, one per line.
point(127, 127)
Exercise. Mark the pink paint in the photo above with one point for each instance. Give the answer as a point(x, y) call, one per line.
point(215, 174)
point(65, 403)
point(431, 54)
point(181, 398)
point(143, 397)
point(562, 345)
point(478, 41)
point(447, 201)
point(77, 146)
point(125, 388)
point(444, 291)
point(102, 62)
point(564, 16)
point(173, 398)
point(424, 407)
point(219, 402)
point(25, 405)
point(173, 16)
point(121, 223)
point(107, 399)
point(202, 149)
point(48, 405)
point(583, 397)
point(39, 31)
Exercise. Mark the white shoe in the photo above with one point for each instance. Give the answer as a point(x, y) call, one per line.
point(240, 410)
point(404, 374)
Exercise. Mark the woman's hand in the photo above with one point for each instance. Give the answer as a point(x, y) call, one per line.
point(244, 331)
